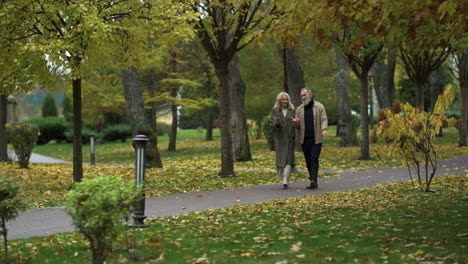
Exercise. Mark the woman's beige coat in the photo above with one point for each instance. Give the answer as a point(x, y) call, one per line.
point(320, 122)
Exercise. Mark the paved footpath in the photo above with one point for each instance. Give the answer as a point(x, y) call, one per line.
point(48, 221)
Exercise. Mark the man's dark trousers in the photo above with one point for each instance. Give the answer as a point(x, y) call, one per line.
point(312, 153)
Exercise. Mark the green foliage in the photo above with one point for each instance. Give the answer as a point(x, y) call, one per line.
point(85, 133)
point(10, 205)
point(67, 107)
point(262, 72)
point(412, 132)
point(52, 128)
point(163, 128)
point(98, 207)
point(49, 107)
point(23, 138)
point(117, 132)
point(196, 118)
point(268, 132)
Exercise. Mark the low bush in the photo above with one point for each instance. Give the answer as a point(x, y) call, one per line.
point(85, 133)
point(163, 129)
point(10, 205)
point(52, 128)
point(117, 132)
point(98, 207)
point(23, 138)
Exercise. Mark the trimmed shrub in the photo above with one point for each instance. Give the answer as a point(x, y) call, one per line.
point(10, 205)
point(85, 135)
point(117, 132)
point(163, 128)
point(98, 207)
point(52, 128)
point(67, 105)
point(23, 138)
point(49, 107)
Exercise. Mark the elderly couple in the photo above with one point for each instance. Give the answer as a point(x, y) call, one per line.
point(311, 120)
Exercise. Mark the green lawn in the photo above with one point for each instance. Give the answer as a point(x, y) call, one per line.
point(195, 166)
point(119, 152)
point(391, 224)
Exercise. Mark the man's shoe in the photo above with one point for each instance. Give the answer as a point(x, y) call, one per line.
point(312, 185)
point(285, 186)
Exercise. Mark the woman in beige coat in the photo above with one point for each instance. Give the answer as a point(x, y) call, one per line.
point(284, 132)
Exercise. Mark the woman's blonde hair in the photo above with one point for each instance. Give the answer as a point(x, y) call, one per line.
point(278, 101)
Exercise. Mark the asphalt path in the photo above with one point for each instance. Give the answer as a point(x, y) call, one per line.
point(52, 220)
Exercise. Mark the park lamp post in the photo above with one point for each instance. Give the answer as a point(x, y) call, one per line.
point(12, 100)
point(92, 152)
point(139, 209)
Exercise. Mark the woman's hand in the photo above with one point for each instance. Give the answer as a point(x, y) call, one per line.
point(277, 120)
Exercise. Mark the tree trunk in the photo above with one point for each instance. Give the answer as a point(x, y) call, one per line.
point(138, 116)
point(364, 118)
point(5, 238)
point(436, 86)
point(345, 129)
point(3, 121)
point(227, 158)
point(463, 79)
point(384, 85)
point(419, 86)
point(173, 134)
point(293, 75)
point(238, 120)
point(77, 135)
point(210, 115)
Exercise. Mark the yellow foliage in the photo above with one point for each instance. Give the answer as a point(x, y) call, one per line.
point(413, 130)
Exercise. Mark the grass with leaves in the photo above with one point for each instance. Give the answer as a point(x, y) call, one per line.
point(382, 224)
point(195, 165)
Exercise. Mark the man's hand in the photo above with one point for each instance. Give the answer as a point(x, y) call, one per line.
point(295, 120)
point(324, 132)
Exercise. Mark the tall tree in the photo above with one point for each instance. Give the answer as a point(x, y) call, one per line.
point(3, 121)
point(263, 85)
point(420, 63)
point(65, 30)
point(78, 33)
point(383, 74)
point(49, 107)
point(197, 67)
point(348, 25)
point(346, 129)
point(223, 28)
point(426, 32)
point(436, 86)
point(140, 118)
point(293, 74)
point(174, 111)
point(462, 67)
point(21, 68)
point(239, 128)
